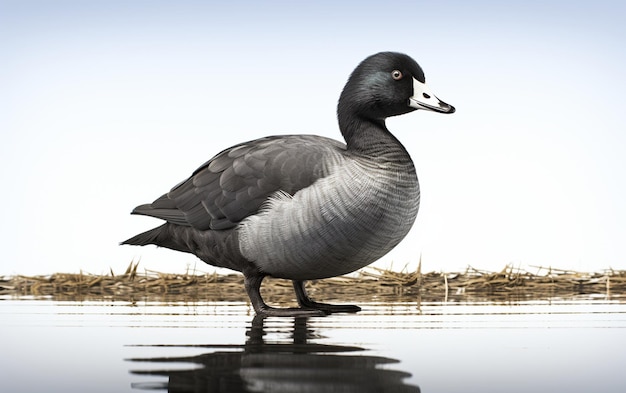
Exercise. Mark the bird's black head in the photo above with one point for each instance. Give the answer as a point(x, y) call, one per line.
point(388, 84)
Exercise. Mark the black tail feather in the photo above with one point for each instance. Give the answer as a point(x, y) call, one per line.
point(161, 236)
point(148, 237)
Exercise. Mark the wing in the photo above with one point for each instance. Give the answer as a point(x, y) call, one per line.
point(236, 182)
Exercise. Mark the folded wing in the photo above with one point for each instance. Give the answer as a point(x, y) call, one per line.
point(236, 182)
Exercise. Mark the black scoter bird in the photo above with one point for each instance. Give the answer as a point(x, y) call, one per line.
point(305, 207)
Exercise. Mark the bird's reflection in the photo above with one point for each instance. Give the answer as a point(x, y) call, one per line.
point(294, 366)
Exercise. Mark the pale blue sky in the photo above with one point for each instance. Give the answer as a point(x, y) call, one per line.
point(107, 105)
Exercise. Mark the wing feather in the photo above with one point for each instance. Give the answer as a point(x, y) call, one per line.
point(238, 181)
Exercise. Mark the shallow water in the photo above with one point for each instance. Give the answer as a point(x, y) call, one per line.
point(557, 346)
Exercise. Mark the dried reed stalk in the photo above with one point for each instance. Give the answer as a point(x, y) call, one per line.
point(371, 284)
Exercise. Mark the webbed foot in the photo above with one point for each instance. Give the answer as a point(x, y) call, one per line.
point(253, 288)
point(305, 302)
point(290, 312)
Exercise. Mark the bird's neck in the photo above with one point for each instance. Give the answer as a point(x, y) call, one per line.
point(370, 137)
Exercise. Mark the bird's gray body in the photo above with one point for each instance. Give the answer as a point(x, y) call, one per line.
point(313, 208)
point(348, 218)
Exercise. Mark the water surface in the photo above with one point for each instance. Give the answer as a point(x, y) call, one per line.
point(573, 345)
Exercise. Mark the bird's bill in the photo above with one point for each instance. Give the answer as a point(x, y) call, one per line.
point(423, 98)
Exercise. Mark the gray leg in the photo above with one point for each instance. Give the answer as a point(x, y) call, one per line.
point(253, 288)
point(305, 301)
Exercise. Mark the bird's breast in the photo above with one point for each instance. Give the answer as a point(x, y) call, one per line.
point(339, 224)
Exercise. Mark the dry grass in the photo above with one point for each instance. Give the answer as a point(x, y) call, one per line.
point(371, 284)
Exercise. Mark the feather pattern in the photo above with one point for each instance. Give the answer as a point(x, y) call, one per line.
point(237, 181)
point(349, 219)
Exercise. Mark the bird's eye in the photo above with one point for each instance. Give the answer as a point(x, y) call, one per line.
point(397, 75)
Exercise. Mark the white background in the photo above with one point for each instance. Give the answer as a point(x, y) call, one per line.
point(107, 105)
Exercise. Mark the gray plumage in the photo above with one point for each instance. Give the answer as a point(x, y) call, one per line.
point(305, 207)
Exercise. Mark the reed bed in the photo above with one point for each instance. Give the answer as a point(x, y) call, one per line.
point(368, 285)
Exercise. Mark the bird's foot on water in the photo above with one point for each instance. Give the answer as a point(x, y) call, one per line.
point(291, 312)
point(331, 308)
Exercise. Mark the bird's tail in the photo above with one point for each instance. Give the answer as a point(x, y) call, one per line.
point(161, 236)
point(153, 236)
point(217, 248)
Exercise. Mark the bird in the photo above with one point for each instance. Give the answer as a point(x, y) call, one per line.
point(305, 207)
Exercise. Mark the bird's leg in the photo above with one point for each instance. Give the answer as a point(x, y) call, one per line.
point(305, 301)
point(253, 288)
